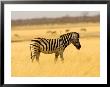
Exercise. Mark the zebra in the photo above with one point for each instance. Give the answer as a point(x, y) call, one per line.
point(57, 46)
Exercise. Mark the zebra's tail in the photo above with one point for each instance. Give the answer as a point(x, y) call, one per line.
point(31, 49)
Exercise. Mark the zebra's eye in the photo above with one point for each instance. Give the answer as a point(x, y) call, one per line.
point(76, 40)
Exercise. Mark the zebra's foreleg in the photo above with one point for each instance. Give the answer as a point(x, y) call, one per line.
point(61, 53)
point(32, 57)
point(56, 57)
point(61, 56)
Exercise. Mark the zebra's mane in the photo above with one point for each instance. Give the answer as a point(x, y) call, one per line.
point(45, 38)
point(70, 34)
point(66, 34)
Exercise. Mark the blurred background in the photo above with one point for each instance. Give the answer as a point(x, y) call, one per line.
point(51, 20)
point(26, 25)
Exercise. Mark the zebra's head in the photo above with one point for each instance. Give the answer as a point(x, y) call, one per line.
point(75, 40)
point(72, 37)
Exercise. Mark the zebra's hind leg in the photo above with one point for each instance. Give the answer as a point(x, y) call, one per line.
point(32, 52)
point(37, 56)
point(56, 57)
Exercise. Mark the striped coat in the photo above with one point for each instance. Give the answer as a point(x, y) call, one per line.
point(57, 46)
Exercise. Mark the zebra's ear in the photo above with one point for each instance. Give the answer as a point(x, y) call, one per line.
point(78, 35)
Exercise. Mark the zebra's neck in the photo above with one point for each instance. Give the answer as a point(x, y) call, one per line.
point(67, 43)
point(66, 40)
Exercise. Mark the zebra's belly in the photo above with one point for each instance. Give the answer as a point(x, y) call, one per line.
point(48, 52)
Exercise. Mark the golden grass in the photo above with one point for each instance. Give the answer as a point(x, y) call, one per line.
point(84, 62)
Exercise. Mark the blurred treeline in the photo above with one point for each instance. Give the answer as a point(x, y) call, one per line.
point(60, 20)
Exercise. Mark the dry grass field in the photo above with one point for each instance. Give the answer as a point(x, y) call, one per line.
point(78, 63)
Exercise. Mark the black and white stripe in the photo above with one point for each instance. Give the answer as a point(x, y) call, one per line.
point(57, 46)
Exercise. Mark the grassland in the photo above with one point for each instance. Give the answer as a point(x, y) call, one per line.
point(78, 63)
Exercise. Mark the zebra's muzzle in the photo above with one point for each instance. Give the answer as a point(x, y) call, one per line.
point(78, 46)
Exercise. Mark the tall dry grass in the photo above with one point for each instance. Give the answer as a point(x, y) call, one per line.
point(84, 62)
